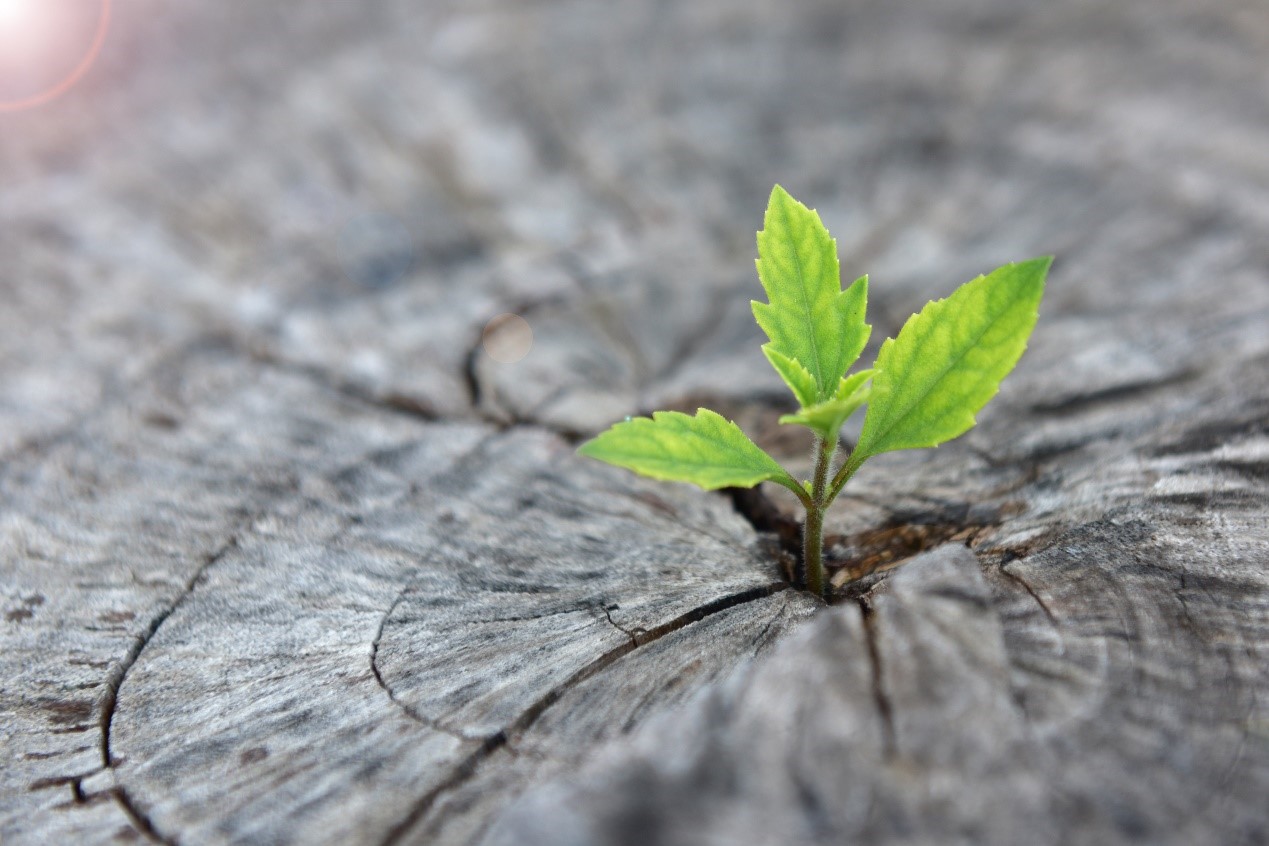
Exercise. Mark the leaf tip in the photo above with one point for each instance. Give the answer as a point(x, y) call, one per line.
point(1037, 267)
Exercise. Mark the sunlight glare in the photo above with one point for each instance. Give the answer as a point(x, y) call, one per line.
point(21, 26)
point(14, 13)
point(46, 46)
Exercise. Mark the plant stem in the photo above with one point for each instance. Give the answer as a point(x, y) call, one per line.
point(813, 531)
point(813, 550)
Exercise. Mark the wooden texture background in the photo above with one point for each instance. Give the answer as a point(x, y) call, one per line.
point(286, 557)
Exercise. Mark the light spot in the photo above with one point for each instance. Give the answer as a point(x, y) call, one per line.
point(507, 338)
point(18, 17)
point(46, 47)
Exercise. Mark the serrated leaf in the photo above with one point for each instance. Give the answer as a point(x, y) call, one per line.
point(797, 377)
point(706, 450)
point(850, 385)
point(826, 418)
point(947, 361)
point(809, 318)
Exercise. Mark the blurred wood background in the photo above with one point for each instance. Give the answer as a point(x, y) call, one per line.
point(286, 556)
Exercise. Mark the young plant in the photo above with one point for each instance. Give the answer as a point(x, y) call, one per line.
point(924, 388)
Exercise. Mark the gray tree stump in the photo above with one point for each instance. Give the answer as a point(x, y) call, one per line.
point(287, 557)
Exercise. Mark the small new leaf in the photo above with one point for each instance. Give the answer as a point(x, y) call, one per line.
point(797, 377)
point(809, 318)
point(826, 418)
point(706, 450)
point(949, 359)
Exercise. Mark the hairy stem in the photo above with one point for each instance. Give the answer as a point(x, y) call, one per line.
point(813, 532)
point(813, 550)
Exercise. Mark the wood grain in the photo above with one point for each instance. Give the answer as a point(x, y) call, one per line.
point(286, 557)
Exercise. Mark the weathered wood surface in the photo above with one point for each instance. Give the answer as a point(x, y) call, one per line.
point(286, 557)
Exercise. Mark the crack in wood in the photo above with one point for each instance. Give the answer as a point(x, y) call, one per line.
point(763, 514)
point(607, 609)
point(471, 379)
point(468, 767)
point(1113, 394)
point(1026, 586)
point(393, 402)
point(500, 414)
point(885, 708)
point(409, 710)
point(139, 819)
point(116, 678)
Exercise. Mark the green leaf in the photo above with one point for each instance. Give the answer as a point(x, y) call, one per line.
point(797, 377)
point(809, 318)
point(826, 418)
point(706, 450)
point(947, 361)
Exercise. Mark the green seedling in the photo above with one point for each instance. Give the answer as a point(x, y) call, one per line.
point(924, 388)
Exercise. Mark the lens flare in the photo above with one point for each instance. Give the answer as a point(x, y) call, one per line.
point(35, 34)
point(12, 13)
point(507, 338)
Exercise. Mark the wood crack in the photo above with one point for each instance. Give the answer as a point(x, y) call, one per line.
point(394, 402)
point(139, 819)
point(409, 710)
point(115, 681)
point(1026, 586)
point(500, 414)
point(1113, 394)
point(763, 514)
point(608, 609)
point(491, 744)
point(885, 708)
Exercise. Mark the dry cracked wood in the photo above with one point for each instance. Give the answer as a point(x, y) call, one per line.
point(285, 557)
point(322, 651)
point(948, 710)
